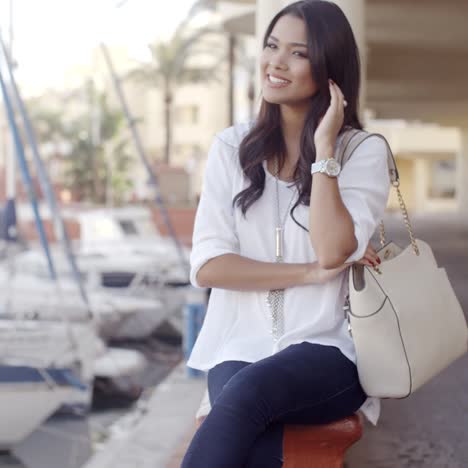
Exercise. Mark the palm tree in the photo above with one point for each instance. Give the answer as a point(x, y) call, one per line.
point(92, 145)
point(170, 66)
point(99, 159)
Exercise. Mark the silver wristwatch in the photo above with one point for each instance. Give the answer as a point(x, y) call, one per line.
point(331, 167)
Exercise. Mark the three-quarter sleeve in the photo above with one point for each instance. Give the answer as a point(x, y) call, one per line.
point(214, 231)
point(364, 185)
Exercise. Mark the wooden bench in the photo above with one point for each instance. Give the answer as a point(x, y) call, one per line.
point(321, 446)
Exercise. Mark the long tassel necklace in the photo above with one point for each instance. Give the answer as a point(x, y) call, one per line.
point(275, 298)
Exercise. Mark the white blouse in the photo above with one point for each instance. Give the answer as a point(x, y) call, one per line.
point(237, 324)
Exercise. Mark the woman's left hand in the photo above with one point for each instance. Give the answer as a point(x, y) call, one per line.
point(371, 257)
point(332, 121)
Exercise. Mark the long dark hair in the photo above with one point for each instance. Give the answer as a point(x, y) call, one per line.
point(333, 53)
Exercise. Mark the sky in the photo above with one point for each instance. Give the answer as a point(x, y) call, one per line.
point(53, 35)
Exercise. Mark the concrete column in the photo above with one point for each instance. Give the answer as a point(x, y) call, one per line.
point(354, 11)
point(266, 10)
point(462, 174)
point(421, 181)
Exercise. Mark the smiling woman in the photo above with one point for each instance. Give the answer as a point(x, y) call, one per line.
point(273, 246)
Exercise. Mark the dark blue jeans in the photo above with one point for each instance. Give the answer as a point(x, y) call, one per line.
point(303, 384)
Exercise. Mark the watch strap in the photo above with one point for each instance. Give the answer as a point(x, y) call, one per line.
point(321, 167)
point(317, 166)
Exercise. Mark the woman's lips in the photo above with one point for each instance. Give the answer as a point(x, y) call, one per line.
point(272, 84)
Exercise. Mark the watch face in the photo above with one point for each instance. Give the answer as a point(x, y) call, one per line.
point(332, 168)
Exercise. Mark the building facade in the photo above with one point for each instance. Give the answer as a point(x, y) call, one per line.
point(413, 87)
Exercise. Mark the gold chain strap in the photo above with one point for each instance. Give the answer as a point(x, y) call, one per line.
point(382, 234)
point(406, 220)
point(396, 183)
point(406, 217)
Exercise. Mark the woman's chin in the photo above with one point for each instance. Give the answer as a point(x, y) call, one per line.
point(298, 102)
point(273, 99)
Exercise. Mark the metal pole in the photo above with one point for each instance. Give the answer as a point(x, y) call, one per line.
point(44, 181)
point(232, 49)
point(10, 166)
point(141, 153)
point(28, 183)
point(194, 315)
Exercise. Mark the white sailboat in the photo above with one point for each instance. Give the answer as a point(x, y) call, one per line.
point(41, 362)
point(26, 402)
point(125, 243)
point(122, 247)
point(27, 292)
point(43, 366)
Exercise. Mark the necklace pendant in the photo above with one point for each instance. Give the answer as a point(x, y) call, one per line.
point(275, 298)
point(279, 242)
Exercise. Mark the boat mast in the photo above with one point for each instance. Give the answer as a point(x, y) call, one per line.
point(26, 175)
point(9, 221)
point(141, 153)
point(44, 181)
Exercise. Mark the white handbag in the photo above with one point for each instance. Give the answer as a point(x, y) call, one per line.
point(404, 317)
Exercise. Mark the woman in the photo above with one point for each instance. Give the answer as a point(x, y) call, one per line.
point(273, 241)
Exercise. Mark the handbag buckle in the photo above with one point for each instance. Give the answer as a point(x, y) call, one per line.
point(347, 310)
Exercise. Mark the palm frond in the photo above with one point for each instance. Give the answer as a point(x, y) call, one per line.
point(197, 7)
point(189, 46)
point(199, 75)
point(147, 74)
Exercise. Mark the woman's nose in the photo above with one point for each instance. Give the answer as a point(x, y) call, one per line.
point(278, 63)
point(279, 66)
point(278, 60)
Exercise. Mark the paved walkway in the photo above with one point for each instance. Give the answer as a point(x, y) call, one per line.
point(179, 453)
point(161, 434)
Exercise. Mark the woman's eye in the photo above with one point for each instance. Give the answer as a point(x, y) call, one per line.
point(297, 53)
